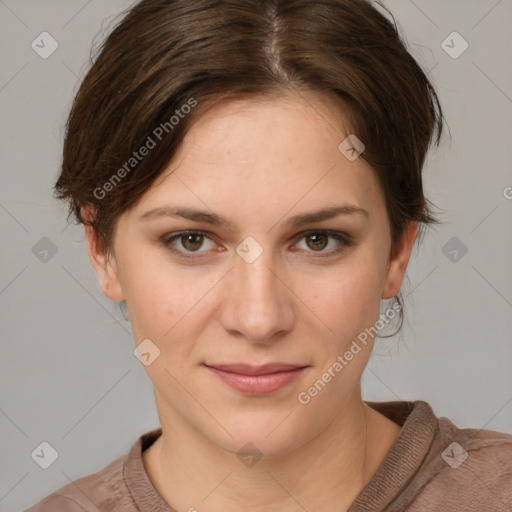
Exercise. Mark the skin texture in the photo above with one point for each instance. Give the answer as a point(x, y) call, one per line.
point(258, 163)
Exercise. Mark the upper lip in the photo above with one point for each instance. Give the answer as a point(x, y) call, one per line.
point(247, 369)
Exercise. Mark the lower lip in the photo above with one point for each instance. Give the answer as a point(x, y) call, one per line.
point(257, 384)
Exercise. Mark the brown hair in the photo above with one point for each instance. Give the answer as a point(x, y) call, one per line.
point(167, 56)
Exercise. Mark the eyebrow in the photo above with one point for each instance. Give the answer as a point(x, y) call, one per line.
point(217, 220)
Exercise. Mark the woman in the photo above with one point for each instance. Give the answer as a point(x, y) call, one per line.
point(248, 174)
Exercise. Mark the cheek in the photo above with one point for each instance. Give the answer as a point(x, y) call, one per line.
point(350, 298)
point(166, 308)
point(167, 304)
point(349, 305)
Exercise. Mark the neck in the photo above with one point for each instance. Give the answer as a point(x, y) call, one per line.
point(333, 467)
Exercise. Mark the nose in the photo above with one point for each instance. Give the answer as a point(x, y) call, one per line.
point(259, 303)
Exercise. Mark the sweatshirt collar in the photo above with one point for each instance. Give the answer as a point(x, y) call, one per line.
point(419, 426)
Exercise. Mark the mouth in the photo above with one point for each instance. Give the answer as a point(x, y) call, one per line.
point(257, 380)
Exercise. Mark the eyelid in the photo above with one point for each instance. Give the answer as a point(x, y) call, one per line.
point(169, 238)
point(342, 235)
point(345, 239)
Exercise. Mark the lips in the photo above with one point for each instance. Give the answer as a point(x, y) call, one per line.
point(246, 369)
point(256, 380)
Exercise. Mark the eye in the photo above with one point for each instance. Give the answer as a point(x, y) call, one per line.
point(190, 241)
point(317, 241)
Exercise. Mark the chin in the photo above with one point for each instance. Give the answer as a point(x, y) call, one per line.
point(272, 434)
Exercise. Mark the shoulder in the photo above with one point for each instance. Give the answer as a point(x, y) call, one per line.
point(56, 501)
point(88, 493)
point(475, 448)
point(468, 469)
point(112, 488)
point(440, 466)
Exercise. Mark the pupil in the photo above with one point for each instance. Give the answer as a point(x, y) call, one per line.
point(195, 245)
point(315, 243)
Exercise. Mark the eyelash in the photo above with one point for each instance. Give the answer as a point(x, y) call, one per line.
point(344, 238)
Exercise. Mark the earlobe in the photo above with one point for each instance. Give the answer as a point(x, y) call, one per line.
point(105, 266)
point(399, 260)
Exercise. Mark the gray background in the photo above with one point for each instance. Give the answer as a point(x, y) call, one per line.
point(68, 373)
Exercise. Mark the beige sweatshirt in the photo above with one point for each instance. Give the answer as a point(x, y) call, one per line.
point(432, 466)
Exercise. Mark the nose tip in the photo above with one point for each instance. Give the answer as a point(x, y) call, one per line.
point(258, 305)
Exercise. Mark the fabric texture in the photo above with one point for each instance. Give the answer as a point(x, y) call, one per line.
point(432, 466)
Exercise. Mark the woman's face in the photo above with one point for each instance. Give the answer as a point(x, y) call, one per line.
point(254, 288)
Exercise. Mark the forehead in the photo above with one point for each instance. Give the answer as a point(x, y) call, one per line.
point(276, 120)
point(266, 155)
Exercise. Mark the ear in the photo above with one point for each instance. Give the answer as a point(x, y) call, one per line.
point(103, 262)
point(399, 259)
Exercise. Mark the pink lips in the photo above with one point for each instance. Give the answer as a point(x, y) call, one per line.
point(257, 380)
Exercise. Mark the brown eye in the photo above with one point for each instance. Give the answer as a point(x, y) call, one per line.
point(187, 243)
point(324, 243)
point(192, 242)
point(319, 241)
